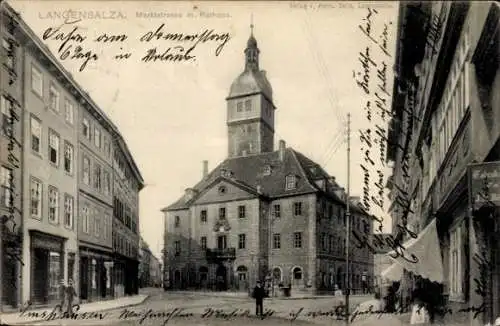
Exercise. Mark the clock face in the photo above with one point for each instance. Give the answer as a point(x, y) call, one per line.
point(221, 229)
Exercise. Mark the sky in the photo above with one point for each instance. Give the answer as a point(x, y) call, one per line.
point(173, 114)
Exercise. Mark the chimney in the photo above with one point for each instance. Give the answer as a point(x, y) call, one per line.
point(205, 169)
point(282, 148)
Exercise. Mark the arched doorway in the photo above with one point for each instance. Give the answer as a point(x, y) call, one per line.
point(221, 278)
point(242, 274)
point(177, 279)
point(277, 276)
point(297, 277)
point(203, 275)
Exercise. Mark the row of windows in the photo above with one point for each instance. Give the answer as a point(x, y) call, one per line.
point(37, 85)
point(9, 51)
point(101, 142)
point(54, 148)
point(36, 192)
point(276, 213)
point(123, 245)
point(101, 178)
point(91, 222)
point(296, 240)
point(124, 213)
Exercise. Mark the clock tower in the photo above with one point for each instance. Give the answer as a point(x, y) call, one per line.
point(250, 108)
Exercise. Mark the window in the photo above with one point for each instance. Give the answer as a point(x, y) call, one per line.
point(277, 211)
point(106, 145)
point(86, 128)
point(239, 106)
point(36, 198)
point(97, 137)
point(105, 229)
point(241, 211)
point(97, 223)
point(107, 182)
point(291, 182)
point(5, 107)
point(456, 261)
point(53, 147)
point(222, 190)
point(6, 176)
point(324, 239)
point(68, 211)
point(297, 208)
point(297, 240)
point(69, 111)
point(203, 241)
point(276, 241)
point(7, 45)
point(53, 98)
point(331, 244)
point(248, 105)
point(177, 221)
point(203, 216)
point(36, 81)
point(241, 241)
point(86, 170)
point(222, 213)
point(97, 177)
point(53, 205)
point(68, 157)
point(177, 248)
point(36, 134)
point(85, 219)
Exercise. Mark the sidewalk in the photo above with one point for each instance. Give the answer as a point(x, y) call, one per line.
point(38, 315)
point(245, 295)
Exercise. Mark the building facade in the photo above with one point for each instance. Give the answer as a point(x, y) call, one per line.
point(261, 214)
point(11, 159)
point(144, 264)
point(446, 117)
point(95, 202)
point(57, 152)
point(127, 183)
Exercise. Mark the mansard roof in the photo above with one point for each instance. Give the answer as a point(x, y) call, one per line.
point(250, 171)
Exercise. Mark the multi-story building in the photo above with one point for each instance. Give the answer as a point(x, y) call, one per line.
point(261, 213)
point(446, 116)
point(11, 158)
point(127, 182)
point(155, 272)
point(49, 172)
point(95, 201)
point(65, 169)
point(144, 264)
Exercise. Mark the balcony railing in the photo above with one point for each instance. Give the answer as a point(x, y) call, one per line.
point(221, 254)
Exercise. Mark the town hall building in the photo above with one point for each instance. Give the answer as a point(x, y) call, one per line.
point(262, 214)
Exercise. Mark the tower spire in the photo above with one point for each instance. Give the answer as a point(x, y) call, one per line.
point(252, 51)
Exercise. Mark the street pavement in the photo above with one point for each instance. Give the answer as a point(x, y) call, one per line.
point(164, 308)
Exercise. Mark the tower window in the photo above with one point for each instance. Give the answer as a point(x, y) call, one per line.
point(239, 106)
point(248, 105)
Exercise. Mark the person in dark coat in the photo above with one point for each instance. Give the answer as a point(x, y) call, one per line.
point(259, 294)
point(62, 295)
point(70, 295)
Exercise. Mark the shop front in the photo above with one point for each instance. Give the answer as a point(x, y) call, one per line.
point(47, 267)
point(96, 268)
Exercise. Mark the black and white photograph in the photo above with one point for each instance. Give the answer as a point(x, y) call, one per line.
point(249, 162)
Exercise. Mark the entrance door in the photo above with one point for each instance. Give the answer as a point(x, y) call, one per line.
point(222, 242)
point(84, 278)
point(40, 276)
point(221, 275)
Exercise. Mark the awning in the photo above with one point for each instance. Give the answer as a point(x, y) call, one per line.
point(393, 272)
point(422, 255)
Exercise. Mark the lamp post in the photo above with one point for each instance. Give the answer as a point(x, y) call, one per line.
point(348, 220)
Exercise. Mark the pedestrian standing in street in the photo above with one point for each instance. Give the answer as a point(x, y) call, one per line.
point(62, 295)
point(70, 295)
point(258, 295)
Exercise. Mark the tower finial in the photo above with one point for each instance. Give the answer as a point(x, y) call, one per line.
point(251, 23)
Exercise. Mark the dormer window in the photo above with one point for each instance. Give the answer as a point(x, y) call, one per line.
point(222, 190)
point(290, 182)
point(267, 170)
point(226, 173)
